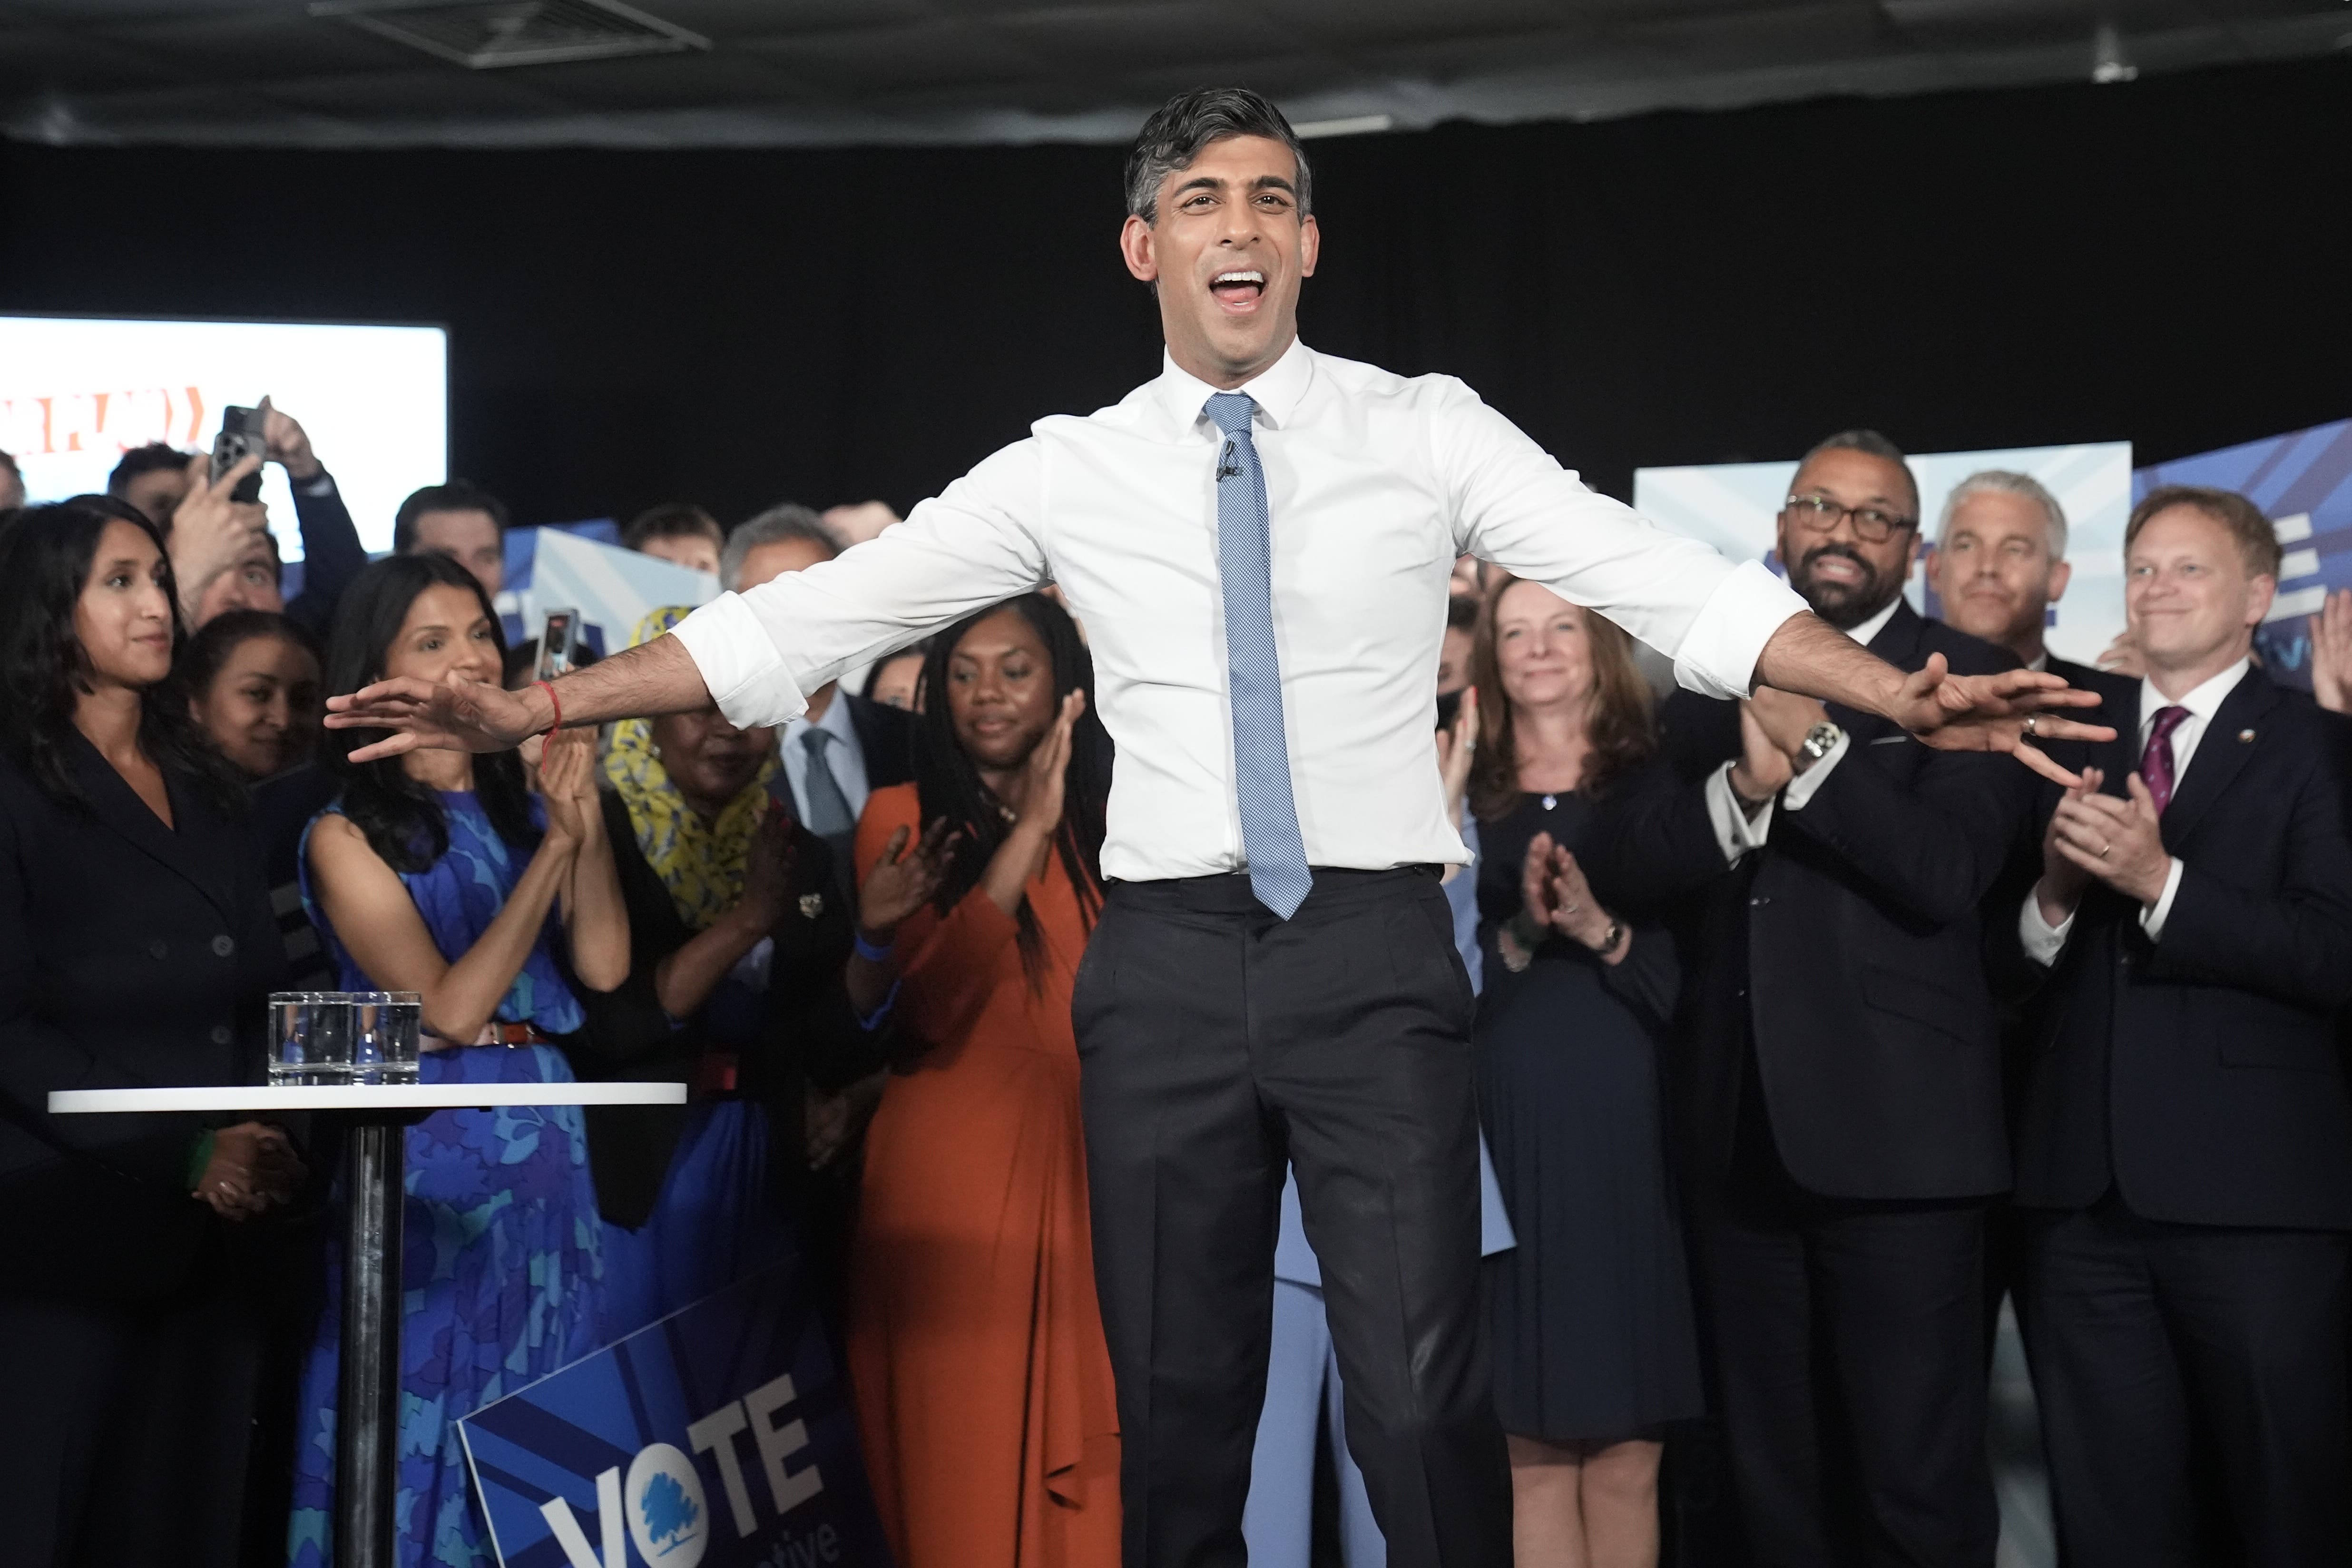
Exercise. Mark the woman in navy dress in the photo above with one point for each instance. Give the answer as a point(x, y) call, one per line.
point(1591, 1313)
point(439, 872)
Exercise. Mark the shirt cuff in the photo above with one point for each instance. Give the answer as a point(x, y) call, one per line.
point(1806, 784)
point(2043, 942)
point(1735, 835)
point(1718, 655)
point(2151, 920)
point(740, 664)
point(321, 483)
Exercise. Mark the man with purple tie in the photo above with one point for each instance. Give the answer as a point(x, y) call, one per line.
point(2184, 1147)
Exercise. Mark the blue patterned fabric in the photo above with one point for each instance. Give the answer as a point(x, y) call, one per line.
point(1270, 836)
point(501, 1267)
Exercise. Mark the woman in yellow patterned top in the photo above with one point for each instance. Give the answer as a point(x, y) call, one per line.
point(702, 854)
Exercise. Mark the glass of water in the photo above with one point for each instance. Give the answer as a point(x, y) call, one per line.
point(387, 1028)
point(309, 1038)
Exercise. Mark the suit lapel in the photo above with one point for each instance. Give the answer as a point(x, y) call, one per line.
point(188, 850)
point(2219, 754)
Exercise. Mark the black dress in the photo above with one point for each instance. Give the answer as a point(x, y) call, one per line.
point(1591, 1313)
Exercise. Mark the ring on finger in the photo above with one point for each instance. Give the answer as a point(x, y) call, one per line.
point(2031, 719)
point(2102, 850)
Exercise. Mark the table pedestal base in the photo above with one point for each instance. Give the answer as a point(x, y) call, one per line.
point(367, 1421)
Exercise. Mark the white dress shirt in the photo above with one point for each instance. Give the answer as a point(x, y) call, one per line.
point(1735, 832)
point(845, 756)
point(2044, 942)
point(1374, 484)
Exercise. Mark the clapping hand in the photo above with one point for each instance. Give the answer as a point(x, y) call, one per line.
point(567, 783)
point(903, 880)
point(2116, 841)
point(1457, 744)
point(2060, 890)
point(768, 867)
point(2331, 652)
point(1048, 765)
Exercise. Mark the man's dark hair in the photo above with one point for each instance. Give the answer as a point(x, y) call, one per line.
point(1177, 132)
point(9, 463)
point(1460, 613)
point(671, 520)
point(143, 460)
point(1870, 443)
point(457, 495)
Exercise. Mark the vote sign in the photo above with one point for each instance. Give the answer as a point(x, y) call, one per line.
point(718, 1437)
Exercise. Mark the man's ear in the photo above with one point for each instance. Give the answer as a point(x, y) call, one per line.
point(1310, 244)
point(1135, 248)
point(2259, 594)
point(2060, 576)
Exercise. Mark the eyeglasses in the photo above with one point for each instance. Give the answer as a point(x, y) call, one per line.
point(1818, 514)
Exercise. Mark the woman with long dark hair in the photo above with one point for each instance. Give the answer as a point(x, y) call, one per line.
point(136, 950)
point(1594, 1348)
point(443, 873)
point(976, 1348)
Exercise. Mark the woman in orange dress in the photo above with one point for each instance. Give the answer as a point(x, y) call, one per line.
point(976, 1353)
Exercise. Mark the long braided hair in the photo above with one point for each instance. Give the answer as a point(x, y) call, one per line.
point(949, 784)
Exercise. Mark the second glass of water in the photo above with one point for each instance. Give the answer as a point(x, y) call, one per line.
point(387, 1031)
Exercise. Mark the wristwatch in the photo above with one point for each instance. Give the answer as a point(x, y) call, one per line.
point(1820, 740)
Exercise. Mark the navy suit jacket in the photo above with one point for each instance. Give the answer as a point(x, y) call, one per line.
point(1848, 947)
point(2201, 1075)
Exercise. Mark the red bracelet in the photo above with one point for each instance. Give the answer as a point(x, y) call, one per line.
point(553, 701)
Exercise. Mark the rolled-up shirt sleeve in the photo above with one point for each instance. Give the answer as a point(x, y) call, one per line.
point(1517, 506)
point(763, 651)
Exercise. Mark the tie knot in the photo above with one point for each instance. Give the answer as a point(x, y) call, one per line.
point(1229, 411)
point(2167, 719)
point(814, 740)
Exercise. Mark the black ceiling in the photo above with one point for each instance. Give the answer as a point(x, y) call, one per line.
point(813, 72)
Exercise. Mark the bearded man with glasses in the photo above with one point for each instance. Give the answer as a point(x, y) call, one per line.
point(1836, 1095)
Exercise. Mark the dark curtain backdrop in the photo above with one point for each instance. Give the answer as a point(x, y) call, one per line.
point(2165, 261)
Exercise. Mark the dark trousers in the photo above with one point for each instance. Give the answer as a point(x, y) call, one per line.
point(1217, 1041)
point(127, 1429)
point(2138, 1333)
point(1847, 1345)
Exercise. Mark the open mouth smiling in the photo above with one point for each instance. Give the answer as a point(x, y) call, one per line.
point(1238, 289)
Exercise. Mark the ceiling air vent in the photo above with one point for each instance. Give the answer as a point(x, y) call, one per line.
point(486, 34)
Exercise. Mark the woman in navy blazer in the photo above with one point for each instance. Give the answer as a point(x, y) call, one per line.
point(136, 948)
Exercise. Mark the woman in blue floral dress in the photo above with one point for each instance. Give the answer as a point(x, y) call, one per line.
point(440, 873)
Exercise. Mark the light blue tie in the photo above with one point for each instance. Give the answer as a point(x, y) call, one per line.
point(1270, 837)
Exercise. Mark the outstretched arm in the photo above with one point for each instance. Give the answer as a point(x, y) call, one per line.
point(2004, 712)
point(460, 715)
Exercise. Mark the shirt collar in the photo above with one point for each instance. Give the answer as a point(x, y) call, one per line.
point(1278, 388)
point(836, 721)
point(1870, 628)
point(2202, 701)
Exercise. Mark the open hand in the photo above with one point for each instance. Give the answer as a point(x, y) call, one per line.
point(2060, 890)
point(452, 715)
point(567, 783)
point(903, 880)
point(2331, 652)
point(2118, 841)
point(1041, 796)
point(1457, 745)
point(1991, 713)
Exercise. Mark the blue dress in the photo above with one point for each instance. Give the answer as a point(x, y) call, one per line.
point(501, 1272)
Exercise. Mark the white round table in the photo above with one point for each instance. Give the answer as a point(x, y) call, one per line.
point(367, 1425)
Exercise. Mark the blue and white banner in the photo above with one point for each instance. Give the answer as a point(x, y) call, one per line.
point(720, 1437)
point(2303, 482)
point(1733, 506)
point(611, 588)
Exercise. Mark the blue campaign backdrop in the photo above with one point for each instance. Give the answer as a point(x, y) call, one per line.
point(2303, 482)
point(719, 1437)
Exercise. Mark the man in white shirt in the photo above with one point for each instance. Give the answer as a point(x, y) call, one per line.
point(1259, 542)
point(2184, 1139)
